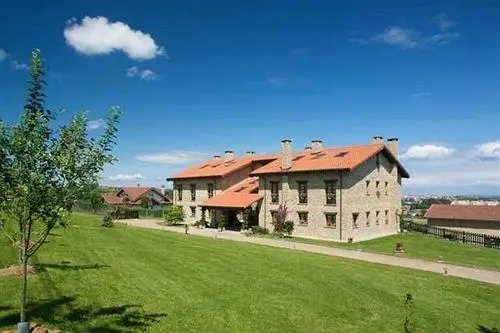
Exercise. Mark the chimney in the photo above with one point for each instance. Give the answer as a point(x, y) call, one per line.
point(378, 139)
point(308, 149)
point(228, 156)
point(217, 157)
point(286, 154)
point(250, 153)
point(393, 145)
point(317, 146)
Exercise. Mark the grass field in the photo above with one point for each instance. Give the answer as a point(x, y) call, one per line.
point(423, 246)
point(94, 279)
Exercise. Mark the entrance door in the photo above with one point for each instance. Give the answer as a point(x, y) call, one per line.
point(232, 220)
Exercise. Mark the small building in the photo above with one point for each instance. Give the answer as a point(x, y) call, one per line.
point(482, 219)
point(137, 196)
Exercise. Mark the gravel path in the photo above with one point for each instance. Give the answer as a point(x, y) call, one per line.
point(453, 270)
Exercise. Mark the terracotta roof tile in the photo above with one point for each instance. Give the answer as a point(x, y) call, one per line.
point(220, 168)
point(340, 158)
point(464, 212)
point(241, 195)
point(112, 199)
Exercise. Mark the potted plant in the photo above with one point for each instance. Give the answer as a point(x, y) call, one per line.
point(400, 247)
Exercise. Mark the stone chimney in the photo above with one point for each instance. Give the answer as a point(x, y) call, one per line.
point(378, 139)
point(308, 149)
point(250, 153)
point(217, 157)
point(393, 145)
point(317, 146)
point(228, 156)
point(286, 154)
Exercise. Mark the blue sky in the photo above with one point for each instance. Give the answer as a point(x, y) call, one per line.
point(196, 79)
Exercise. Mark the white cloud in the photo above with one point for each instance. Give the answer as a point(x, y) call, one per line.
point(132, 71)
point(277, 81)
point(173, 157)
point(466, 177)
point(125, 177)
point(96, 35)
point(405, 38)
point(18, 66)
point(442, 22)
point(95, 124)
point(428, 151)
point(488, 151)
point(396, 36)
point(144, 74)
point(3, 55)
point(420, 94)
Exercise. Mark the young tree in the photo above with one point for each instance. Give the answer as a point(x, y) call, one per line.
point(44, 171)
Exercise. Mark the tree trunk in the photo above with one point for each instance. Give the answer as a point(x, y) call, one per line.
point(24, 285)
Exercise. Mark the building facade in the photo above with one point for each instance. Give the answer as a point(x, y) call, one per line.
point(342, 194)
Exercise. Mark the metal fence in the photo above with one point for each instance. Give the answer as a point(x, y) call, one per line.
point(455, 235)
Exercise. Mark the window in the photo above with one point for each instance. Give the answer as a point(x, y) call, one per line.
point(331, 192)
point(377, 214)
point(274, 192)
point(367, 187)
point(377, 184)
point(193, 211)
point(274, 216)
point(179, 192)
point(386, 216)
point(193, 192)
point(331, 220)
point(210, 190)
point(355, 220)
point(303, 218)
point(378, 162)
point(367, 219)
point(386, 188)
point(302, 192)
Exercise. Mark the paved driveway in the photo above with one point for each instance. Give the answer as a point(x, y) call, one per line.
point(453, 270)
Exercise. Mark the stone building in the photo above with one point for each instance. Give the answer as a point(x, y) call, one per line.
point(344, 194)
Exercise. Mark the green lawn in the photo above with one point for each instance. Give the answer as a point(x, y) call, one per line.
point(123, 279)
point(422, 246)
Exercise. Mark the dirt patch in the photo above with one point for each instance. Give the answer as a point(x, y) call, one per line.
point(34, 328)
point(16, 270)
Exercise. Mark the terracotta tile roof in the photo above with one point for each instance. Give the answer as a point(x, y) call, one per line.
point(241, 195)
point(464, 212)
point(112, 199)
point(220, 168)
point(340, 158)
point(134, 194)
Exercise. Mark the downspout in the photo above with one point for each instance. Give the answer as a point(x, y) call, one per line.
point(340, 210)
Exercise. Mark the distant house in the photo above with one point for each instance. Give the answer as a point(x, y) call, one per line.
point(137, 196)
point(483, 219)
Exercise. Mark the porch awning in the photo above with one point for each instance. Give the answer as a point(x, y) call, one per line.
point(232, 200)
point(241, 195)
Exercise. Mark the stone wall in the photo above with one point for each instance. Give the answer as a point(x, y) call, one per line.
point(353, 197)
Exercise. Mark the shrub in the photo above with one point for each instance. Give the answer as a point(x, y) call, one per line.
point(281, 216)
point(244, 224)
point(221, 224)
point(107, 221)
point(173, 215)
point(258, 230)
point(121, 213)
point(199, 223)
point(288, 227)
point(400, 247)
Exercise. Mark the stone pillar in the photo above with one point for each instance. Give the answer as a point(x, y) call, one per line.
point(393, 145)
point(317, 146)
